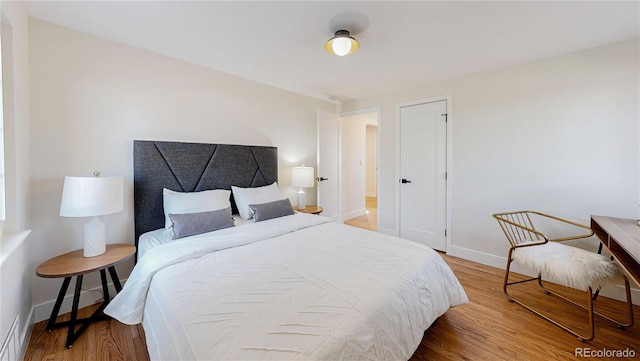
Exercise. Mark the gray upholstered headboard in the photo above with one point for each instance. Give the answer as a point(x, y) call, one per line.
point(192, 167)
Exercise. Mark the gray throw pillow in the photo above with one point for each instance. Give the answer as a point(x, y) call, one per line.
point(189, 224)
point(269, 210)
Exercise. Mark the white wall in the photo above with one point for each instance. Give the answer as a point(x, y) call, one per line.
point(559, 135)
point(16, 124)
point(90, 98)
point(16, 265)
point(353, 130)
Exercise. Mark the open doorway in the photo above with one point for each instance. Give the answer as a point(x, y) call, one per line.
point(359, 163)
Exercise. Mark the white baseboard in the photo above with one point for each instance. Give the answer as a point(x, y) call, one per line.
point(354, 214)
point(616, 292)
point(388, 231)
point(476, 256)
point(87, 298)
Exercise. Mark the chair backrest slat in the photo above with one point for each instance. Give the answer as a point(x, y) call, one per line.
point(518, 227)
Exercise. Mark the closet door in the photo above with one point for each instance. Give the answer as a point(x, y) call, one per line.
point(423, 160)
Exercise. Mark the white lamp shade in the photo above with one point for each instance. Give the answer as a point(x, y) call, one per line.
point(92, 196)
point(302, 177)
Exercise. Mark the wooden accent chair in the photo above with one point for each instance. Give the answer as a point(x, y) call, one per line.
point(559, 263)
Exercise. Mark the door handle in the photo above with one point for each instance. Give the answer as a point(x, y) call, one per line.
point(403, 181)
point(320, 179)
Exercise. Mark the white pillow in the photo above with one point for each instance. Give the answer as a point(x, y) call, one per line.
point(193, 202)
point(246, 196)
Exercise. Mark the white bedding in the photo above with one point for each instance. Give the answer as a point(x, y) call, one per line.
point(161, 236)
point(151, 239)
point(294, 287)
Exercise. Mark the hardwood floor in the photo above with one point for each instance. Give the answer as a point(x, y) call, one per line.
point(104, 340)
point(487, 328)
point(370, 219)
point(491, 328)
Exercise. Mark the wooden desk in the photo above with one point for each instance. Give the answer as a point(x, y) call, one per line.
point(622, 238)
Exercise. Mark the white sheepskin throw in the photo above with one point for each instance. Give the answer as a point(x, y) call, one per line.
point(566, 265)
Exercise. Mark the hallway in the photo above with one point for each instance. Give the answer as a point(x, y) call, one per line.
point(368, 220)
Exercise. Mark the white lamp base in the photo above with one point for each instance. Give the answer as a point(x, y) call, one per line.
point(302, 200)
point(95, 242)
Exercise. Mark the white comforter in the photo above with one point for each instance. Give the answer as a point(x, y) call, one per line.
point(295, 287)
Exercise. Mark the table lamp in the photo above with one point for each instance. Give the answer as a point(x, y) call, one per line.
point(92, 197)
point(302, 177)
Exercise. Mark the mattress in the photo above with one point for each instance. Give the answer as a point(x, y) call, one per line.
point(296, 287)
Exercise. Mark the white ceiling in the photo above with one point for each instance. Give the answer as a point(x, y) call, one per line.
point(405, 45)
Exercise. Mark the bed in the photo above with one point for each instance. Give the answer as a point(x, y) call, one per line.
point(296, 286)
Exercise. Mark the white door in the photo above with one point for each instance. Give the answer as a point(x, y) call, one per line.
point(328, 163)
point(423, 159)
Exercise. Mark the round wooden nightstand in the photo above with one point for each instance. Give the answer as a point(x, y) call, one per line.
point(310, 209)
point(75, 264)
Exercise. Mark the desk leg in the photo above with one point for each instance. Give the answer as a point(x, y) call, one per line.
point(56, 307)
point(597, 292)
point(74, 312)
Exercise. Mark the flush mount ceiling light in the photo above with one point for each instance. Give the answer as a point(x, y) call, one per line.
point(342, 44)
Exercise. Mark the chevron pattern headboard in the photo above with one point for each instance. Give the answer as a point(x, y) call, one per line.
point(192, 167)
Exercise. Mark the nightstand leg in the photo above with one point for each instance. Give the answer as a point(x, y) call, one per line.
point(74, 312)
point(114, 278)
point(56, 307)
point(105, 289)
